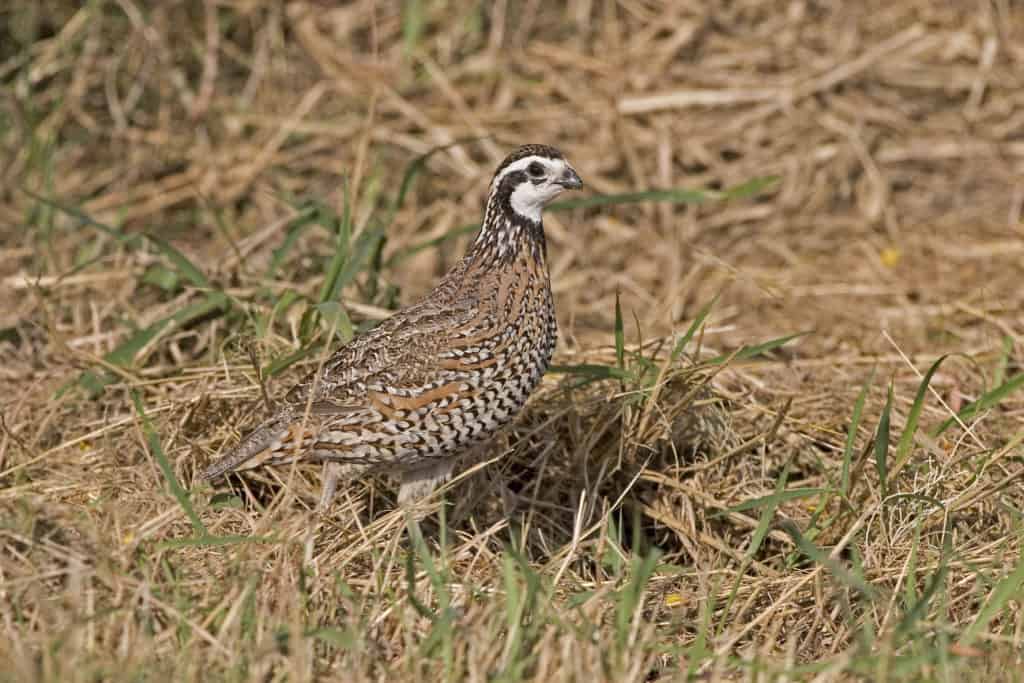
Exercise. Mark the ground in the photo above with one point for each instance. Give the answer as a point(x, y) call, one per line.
point(783, 437)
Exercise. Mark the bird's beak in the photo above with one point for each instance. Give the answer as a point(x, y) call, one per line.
point(570, 180)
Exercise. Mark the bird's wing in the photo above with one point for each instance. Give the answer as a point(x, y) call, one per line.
point(397, 353)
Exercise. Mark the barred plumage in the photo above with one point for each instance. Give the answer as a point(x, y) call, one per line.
point(442, 375)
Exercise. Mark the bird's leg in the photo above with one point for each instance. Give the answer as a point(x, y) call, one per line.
point(508, 499)
point(474, 456)
point(418, 482)
point(334, 472)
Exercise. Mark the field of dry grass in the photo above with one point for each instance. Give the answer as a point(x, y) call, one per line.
point(795, 454)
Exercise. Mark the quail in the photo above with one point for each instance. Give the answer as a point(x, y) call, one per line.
point(443, 375)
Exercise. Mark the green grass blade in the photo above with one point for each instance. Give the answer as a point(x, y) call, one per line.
point(1003, 362)
point(285, 301)
point(590, 371)
point(403, 254)
point(685, 340)
point(514, 605)
point(675, 196)
point(613, 556)
point(330, 286)
point(419, 164)
point(344, 639)
point(906, 441)
point(851, 435)
point(86, 219)
point(986, 401)
point(882, 444)
point(336, 320)
point(418, 550)
point(620, 336)
point(442, 630)
point(748, 352)
point(186, 269)
point(910, 597)
point(678, 196)
point(1007, 589)
point(364, 248)
point(297, 226)
point(773, 500)
point(817, 555)
point(426, 558)
point(161, 277)
point(412, 25)
point(698, 652)
point(771, 504)
point(282, 363)
point(523, 590)
point(124, 354)
point(157, 451)
point(631, 595)
point(751, 188)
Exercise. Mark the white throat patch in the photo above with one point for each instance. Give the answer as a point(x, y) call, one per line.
point(528, 200)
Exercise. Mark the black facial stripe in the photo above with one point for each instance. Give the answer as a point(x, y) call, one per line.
point(509, 184)
point(503, 196)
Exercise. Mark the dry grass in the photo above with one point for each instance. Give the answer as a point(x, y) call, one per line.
point(686, 520)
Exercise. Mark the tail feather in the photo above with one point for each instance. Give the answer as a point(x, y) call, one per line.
point(254, 444)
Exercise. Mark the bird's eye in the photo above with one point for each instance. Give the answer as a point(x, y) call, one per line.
point(535, 169)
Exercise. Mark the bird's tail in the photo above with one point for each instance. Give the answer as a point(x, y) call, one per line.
point(266, 440)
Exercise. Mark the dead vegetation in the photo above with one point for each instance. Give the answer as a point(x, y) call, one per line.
point(177, 177)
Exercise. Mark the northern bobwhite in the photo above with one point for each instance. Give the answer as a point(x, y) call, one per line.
point(442, 375)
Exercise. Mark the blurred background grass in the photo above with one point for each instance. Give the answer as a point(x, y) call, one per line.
point(198, 197)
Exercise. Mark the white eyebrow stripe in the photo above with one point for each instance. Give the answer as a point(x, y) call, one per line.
point(522, 164)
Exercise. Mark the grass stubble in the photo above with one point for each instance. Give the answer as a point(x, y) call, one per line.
point(783, 437)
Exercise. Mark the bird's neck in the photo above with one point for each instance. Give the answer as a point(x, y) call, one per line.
point(505, 236)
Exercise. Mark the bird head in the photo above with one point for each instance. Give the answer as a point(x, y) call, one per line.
point(530, 178)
